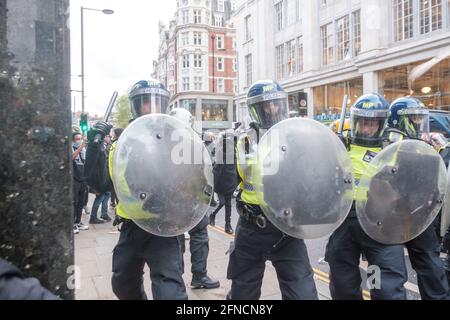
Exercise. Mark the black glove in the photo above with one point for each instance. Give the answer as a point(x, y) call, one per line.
point(99, 131)
point(344, 140)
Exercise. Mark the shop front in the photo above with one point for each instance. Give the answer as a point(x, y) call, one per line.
point(432, 88)
point(328, 99)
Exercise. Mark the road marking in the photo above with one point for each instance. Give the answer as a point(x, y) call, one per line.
point(323, 275)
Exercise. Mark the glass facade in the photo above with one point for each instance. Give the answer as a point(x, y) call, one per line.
point(189, 105)
point(433, 88)
point(214, 110)
point(328, 99)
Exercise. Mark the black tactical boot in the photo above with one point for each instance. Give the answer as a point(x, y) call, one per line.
point(212, 220)
point(204, 282)
point(228, 228)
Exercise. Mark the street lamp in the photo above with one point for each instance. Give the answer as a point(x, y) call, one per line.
point(105, 11)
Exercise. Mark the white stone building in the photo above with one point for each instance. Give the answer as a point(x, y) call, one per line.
point(320, 49)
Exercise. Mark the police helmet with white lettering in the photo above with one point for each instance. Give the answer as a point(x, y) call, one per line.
point(267, 103)
point(148, 96)
point(368, 120)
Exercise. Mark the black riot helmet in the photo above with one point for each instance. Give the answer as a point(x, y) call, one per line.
point(148, 96)
point(368, 120)
point(267, 103)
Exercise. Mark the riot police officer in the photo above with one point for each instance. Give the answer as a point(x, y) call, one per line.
point(137, 247)
point(198, 240)
point(411, 117)
point(369, 117)
point(257, 239)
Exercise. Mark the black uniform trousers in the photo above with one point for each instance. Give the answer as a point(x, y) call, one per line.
point(199, 247)
point(79, 189)
point(163, 256)
point(224, 200)
point(251, 249)
point(424, 254)
point(343, 253)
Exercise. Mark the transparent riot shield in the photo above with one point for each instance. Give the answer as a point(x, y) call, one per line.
point(445, 215)
point(303, 178)
point(401, 192)
point(162, 174)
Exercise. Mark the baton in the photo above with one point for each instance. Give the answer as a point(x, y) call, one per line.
point(98, 136)
point(110, 106)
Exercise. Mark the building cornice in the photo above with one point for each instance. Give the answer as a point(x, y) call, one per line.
point(409, 52)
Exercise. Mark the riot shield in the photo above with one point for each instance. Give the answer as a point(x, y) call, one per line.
point(162, 174)
point(303, 178)
point(445, 214)
point(401, 192)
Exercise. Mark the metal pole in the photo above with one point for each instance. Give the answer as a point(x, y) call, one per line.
point(82, 62)
point(213, 63)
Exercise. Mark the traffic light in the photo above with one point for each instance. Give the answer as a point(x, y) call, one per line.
point(84, 123)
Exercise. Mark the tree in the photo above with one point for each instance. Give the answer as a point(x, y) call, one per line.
point(121, 114)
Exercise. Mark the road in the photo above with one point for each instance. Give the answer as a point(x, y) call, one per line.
point(316, 251)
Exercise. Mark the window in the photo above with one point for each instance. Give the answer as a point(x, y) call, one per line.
point(430, 15)
point(234, 64)
point(327, 44)
point(291, 61)
point(356, 33)
point(248, 31)
point(233, 5)
point(300, 54)
point(279, 15)
point(189, 104)
point(220, 85)
point(185, 16)
point(221, 5)
point(197, 38)
point(235, 88)
point(185, 38)
point(197, 60)
point(185, 61)
point(448, 12)
point(186, 84)
point(220, 44)
point(214, 110)
point(220, 64)
point(248, 69)
point(198, 85)
point(290, 9)
point(343, 38)
point(280, 62)
point(197, 16)
point(184, 3)
point(403, 19)
point(218, 21)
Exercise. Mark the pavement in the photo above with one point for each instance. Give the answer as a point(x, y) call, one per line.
point(93, 256)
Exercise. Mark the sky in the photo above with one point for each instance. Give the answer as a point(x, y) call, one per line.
point(119, 49)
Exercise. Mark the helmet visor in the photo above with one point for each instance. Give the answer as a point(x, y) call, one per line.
point(367, 131)
point(148, 103)
point(414, 122)
point(268, 113)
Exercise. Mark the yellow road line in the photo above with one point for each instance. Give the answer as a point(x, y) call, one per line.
point(323, 276)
